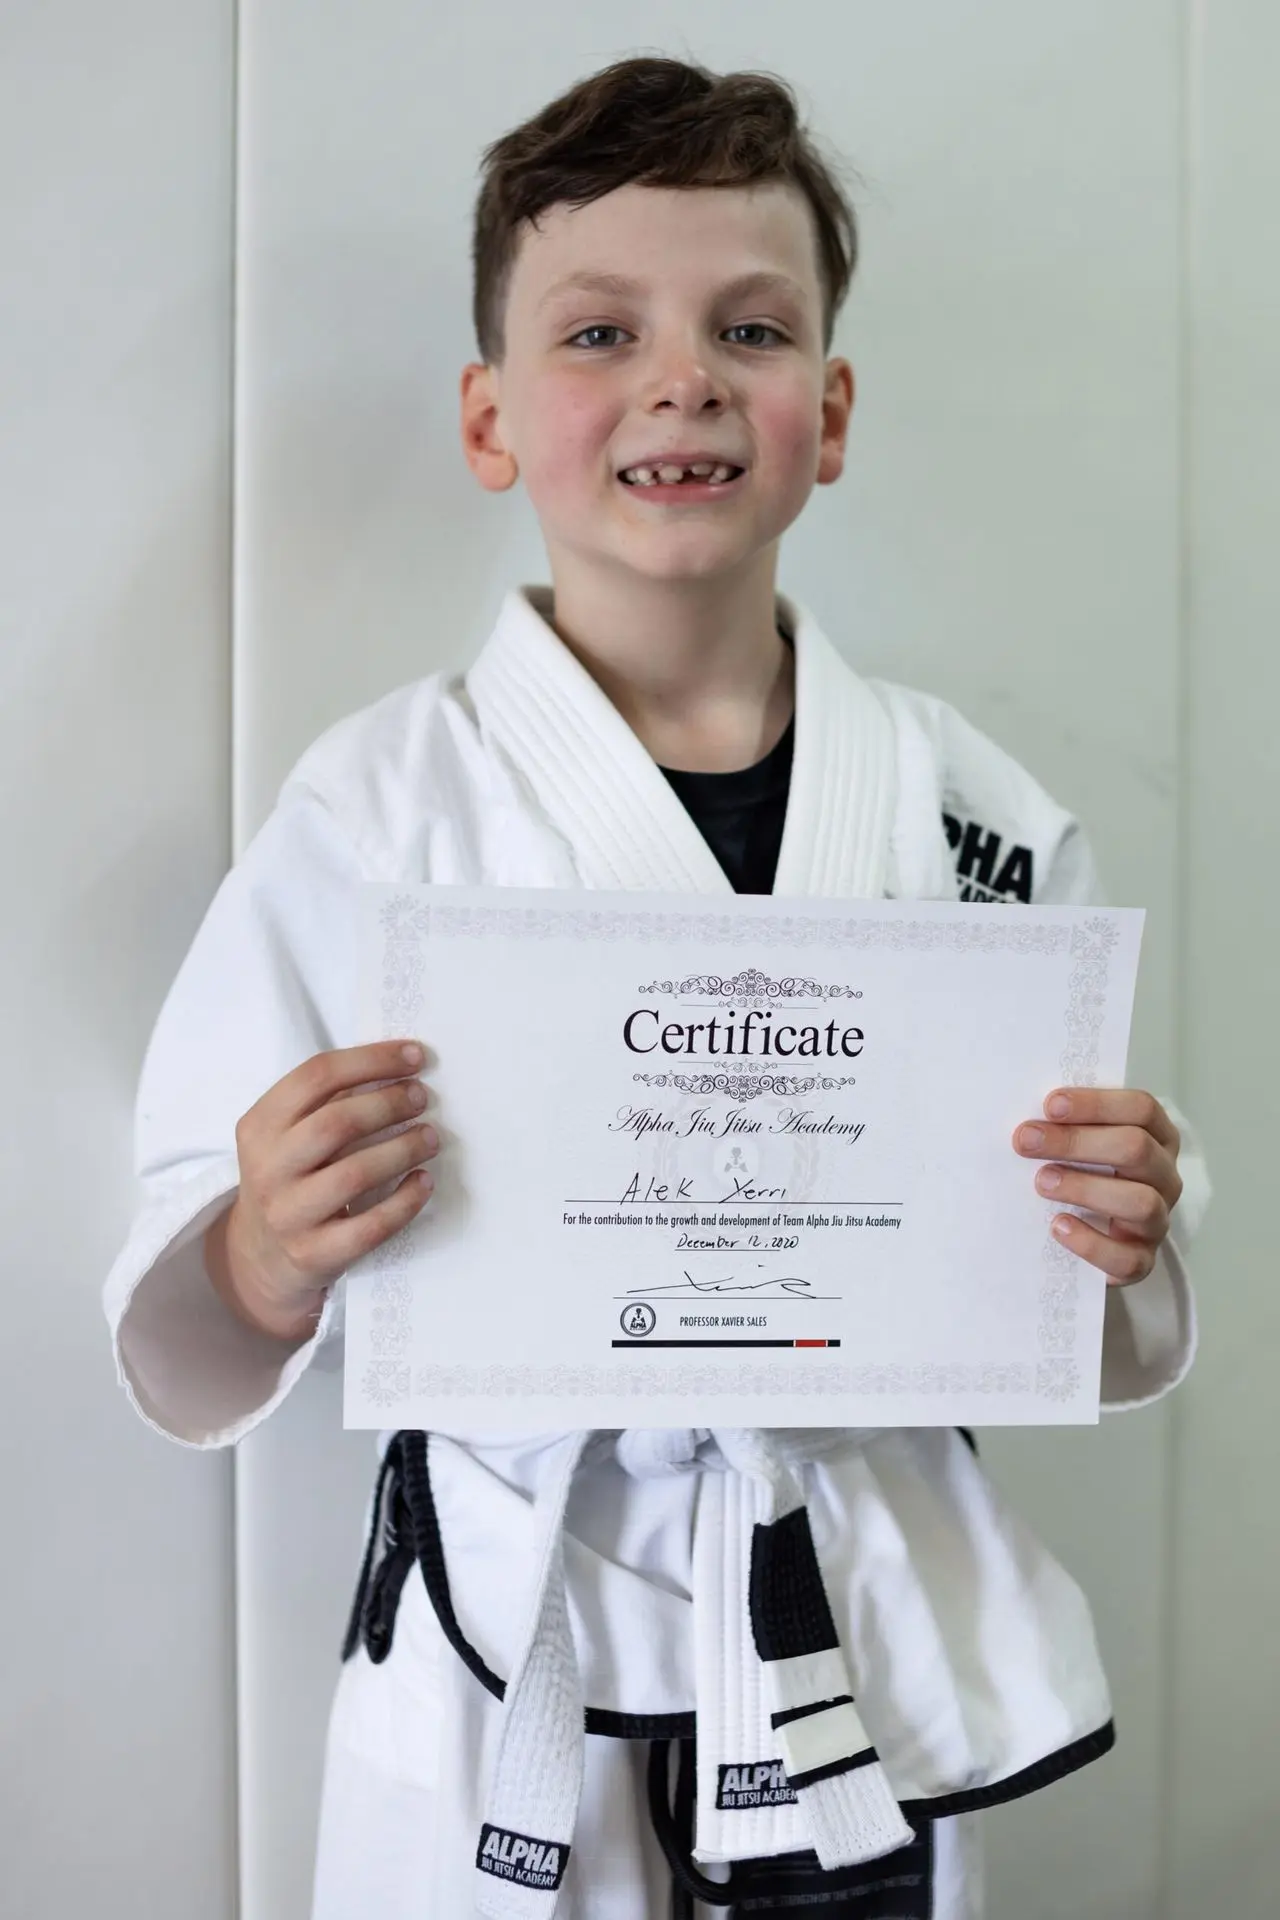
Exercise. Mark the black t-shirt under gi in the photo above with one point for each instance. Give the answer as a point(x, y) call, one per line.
point(740, 815)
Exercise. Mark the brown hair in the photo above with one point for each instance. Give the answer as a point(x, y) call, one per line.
point(659, 123)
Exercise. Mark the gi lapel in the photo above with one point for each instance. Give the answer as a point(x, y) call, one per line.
point(835, 844)
point(600, 788)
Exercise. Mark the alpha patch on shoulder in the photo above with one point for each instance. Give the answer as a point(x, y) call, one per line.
point(988, 868)
point(520, 1859)
point(760, 1783)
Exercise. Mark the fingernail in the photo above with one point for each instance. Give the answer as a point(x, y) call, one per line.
point(1049, 1180)
point(1031, 1138)
point(413, 1054)
point(1059, 1107)
point(1064, 1227)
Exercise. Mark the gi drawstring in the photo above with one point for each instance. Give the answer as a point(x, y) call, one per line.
point(357, 1621)
point(674, 1830)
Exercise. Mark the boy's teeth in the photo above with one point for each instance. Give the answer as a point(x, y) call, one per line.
point(672, 476)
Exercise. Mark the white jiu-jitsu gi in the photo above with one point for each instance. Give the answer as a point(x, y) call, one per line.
point(968, 1651)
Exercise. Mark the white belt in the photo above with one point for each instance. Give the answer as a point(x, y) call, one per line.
point(771, 1680)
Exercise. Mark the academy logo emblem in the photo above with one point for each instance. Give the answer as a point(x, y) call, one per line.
point(525, 1862)
point(763, 1784)
point(639, 1319)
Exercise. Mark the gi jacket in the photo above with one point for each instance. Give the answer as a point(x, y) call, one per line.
point(970, 1652)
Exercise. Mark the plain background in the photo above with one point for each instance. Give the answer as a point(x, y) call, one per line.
point(234, 305)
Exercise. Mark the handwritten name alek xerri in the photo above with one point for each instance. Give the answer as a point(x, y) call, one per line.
point(643, 1120)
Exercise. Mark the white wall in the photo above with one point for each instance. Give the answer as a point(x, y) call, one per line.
point(1055, 513)
point(1224, 1656)
point(116, 143)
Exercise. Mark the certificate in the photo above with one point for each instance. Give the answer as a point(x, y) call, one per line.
point(746, 1163)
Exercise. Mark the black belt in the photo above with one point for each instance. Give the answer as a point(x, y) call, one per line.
point(786, 1887)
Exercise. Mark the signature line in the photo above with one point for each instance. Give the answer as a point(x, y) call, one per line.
point(792, 1286)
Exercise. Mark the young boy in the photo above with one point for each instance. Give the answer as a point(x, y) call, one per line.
point(659, 260)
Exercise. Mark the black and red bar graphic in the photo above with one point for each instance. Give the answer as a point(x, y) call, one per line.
point(644, 1341)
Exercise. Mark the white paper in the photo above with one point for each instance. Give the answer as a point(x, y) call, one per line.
point(638, 1214)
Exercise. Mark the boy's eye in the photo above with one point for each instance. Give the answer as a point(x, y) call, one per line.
point(587, 330)
point(744, 326)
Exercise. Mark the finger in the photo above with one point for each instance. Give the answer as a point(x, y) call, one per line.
point(1142, 1209)
point(1124, 1262)
point(313, 1084)
point(1113, 1107)
point(1130, 1150)
point(344, 1126)
point(323, 1196)
point(337, 1244)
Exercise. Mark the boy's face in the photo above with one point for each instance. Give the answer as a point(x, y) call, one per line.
point(595, 380)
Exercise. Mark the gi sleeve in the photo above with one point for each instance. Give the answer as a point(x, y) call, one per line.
point(263, 987)
point(1149, 1330)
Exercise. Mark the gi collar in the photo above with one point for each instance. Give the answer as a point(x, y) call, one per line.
point(601, 789)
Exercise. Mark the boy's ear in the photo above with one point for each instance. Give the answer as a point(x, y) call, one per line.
point(837, 405)
point(482, 443)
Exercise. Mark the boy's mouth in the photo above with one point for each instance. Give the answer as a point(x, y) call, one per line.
point(691, 487)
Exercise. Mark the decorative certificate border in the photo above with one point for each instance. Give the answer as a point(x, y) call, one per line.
point(388, 1381)
point(403, 916)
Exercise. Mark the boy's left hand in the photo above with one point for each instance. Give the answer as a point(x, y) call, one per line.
point(1130, 1132)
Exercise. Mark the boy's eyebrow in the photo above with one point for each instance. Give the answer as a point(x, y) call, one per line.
point(759, 281)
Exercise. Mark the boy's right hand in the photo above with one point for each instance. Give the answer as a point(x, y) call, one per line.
point(274, 1253)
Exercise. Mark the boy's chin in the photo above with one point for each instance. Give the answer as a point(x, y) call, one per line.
point(652, 561)
point(694, 569)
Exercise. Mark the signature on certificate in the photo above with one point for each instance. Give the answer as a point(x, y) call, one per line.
point(779, 1287)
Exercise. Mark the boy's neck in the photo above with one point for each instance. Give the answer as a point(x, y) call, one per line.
point(697, 669)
